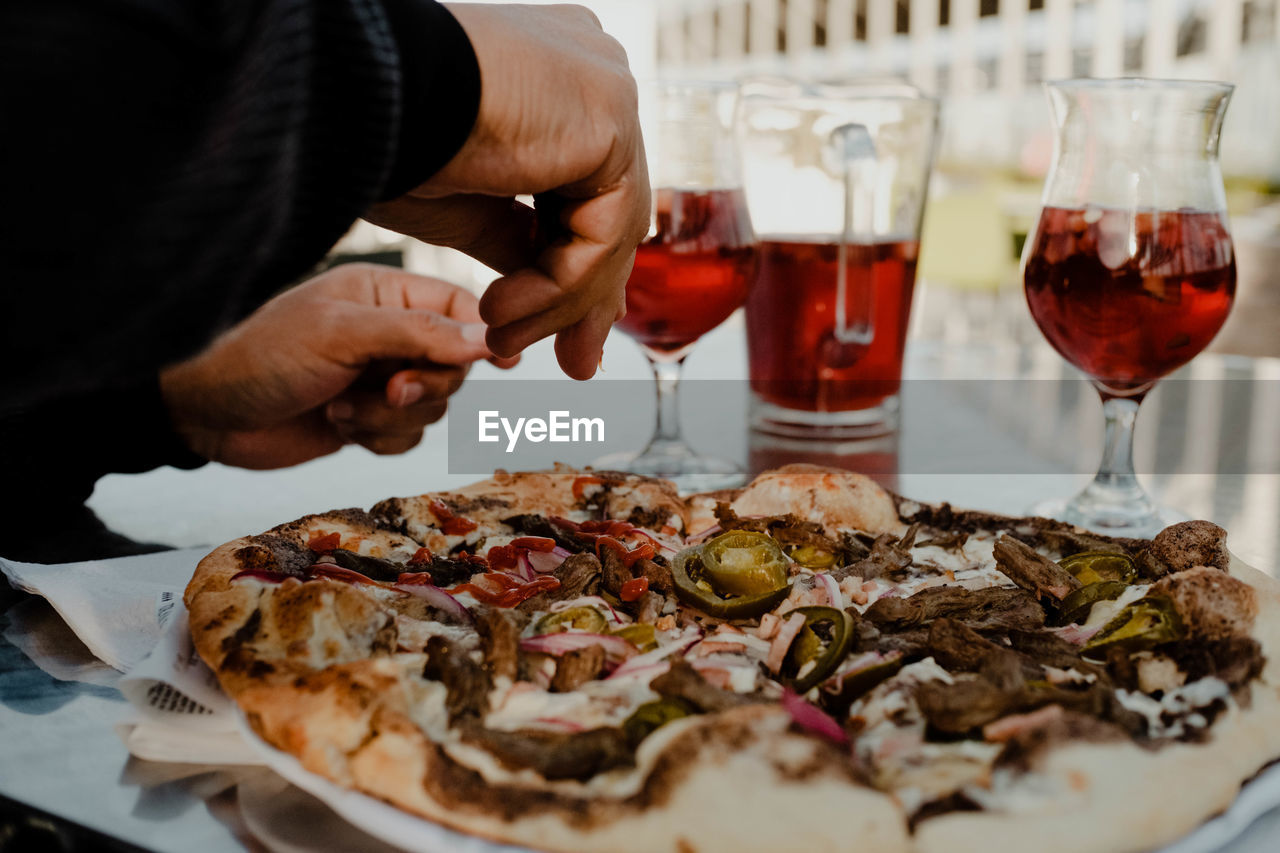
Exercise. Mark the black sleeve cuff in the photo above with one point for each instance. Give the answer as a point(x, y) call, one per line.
point(148, 439)
point(440, 90)
point(54, 452)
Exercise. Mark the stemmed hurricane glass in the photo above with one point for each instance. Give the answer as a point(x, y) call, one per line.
point(1130, 271)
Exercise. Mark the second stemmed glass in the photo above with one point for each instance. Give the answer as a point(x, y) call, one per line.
point(693, 270)
point(1130, 271)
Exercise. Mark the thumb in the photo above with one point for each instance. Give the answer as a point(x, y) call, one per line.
point(374, 333)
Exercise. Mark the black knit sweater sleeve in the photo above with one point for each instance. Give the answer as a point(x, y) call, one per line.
point(165, 167)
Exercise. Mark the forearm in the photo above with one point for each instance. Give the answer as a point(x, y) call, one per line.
point(181, 163)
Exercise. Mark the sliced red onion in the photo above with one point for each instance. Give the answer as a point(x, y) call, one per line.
point(866, 660)
point(263, 575)
point(680, 645)
point(645, 673)
point(663, 545)
point(436, 597)
point(523, 570)
point(570, 641)
point(699, 538)
point(833, 590)
point(338, 573)
point(748, 641)
point(545, 562)
point(587, 601)
point(811, 718)
point(560, 723)
point(1076, 634)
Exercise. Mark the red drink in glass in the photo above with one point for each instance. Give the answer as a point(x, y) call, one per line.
point(1129, 297)
point(693, 273)
point(796, 360)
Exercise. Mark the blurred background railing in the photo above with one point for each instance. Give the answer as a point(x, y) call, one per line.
point(985, 60)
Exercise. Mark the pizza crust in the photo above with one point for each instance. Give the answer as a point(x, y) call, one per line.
point(835, 498)
point(687, 798)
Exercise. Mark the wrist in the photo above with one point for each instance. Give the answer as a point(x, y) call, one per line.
point(179, 391)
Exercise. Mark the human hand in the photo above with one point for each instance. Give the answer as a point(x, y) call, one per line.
point(360, 354)
point(557, 120)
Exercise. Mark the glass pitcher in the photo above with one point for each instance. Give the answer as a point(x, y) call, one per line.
point(835, 179)
point(1130, 271)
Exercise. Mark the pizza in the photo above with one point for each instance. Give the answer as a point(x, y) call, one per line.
point(580, 660)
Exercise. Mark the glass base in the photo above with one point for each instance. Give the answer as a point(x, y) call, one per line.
point(679, 464)
point(1139, 522)
point(877, 421)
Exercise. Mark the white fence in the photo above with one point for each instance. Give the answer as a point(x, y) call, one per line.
point(987, 57)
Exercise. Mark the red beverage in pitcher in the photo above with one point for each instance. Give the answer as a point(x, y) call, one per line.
point(796, 361)
point(693, 273)
point(1128, 297)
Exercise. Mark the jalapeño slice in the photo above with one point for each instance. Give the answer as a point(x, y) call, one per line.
point(824, 640)
point(1145, 623)
point(1076, 606)
point(812, 556)
point(582, 618)
point(640, 634)
point(696, 590)
point(854, 685)
point(744, 562)
point(1090, 567)
point(651, 716)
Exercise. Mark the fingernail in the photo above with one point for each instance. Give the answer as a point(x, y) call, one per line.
point(341, 410)
point(474, 332)
point(410, 393)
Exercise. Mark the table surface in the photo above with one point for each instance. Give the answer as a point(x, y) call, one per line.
point(58, 752)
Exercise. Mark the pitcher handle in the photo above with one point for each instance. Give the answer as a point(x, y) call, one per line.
point(855, 151)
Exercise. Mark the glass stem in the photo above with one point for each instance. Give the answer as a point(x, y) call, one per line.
point(1115, 499)
point(1115, 473)
point(666, 376)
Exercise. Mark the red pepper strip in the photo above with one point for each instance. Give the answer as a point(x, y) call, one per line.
point(422, 555)
point(580, 484)
point(534, 543)
point(414, 578)
point(458, 526)
point(644, 551)
point(323, 543)
point(529, 590)
point(503, 557)
point(480, 594)
point(450, 524)
point(510, 597)
point(607, 527)
point(502, 580)
point(633, 589)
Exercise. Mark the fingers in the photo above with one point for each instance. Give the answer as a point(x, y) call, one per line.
point(393, 421)
point(578, 290)
point(406, 388)
point(580, 347)
point(359, 334)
